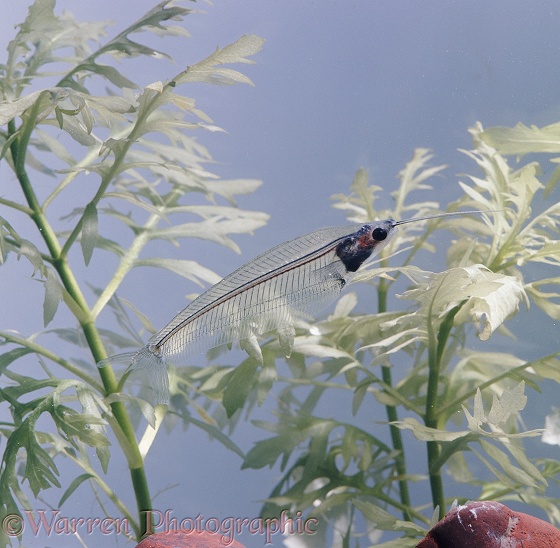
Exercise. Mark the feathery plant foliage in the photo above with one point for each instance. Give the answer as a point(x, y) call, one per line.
point(144, 170)
point(460, 401)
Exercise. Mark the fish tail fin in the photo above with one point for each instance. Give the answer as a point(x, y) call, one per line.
point(150, 366)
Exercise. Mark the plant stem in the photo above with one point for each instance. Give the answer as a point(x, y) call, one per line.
point(431, 420)
point(392, 416)
point(18, 150)
point(436, 349)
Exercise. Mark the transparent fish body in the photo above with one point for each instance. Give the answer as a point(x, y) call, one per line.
point(292, 280)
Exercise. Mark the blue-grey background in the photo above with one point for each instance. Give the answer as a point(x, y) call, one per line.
point(338, 85)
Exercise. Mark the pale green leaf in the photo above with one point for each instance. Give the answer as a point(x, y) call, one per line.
point(76, 482)
point(521, 139)
point(488, 298)
point(312, 346)
point(212, 230)
point(8, 357)
point(425, 433)
point(359, 205)
point(146, 323)
point(358, 398)
point(53, 296)
point(217, 434)
point(89, 231)
point(10, 109)
point(408, 527)
point(544, 299)
point(209, 70)
point(30, 251)
point(345, 305)
point(191, 270)
point(239, 384)
point(78, 131)
point(229, 188)
point(53, 145)
point(132, 197)
point(504, 479)
point(479, 415)
point(40, 470)
point(122, 45)
point(250, 344)
point(513, 472)
point(374, 514)
point(91, 405)
point(508, 404)
point(413, 177)
point(266, 452)
point(523, 461)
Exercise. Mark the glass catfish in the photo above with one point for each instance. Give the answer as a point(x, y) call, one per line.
point(292, 280)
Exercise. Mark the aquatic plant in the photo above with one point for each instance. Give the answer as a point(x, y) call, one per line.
point(134, 160)
point(460, 399)
point(412, 368)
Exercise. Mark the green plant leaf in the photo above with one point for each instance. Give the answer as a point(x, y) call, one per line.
point(79, 426)
point(40, 470)
point(239, 384)
point(425, 433)
point(29, 250)
point(209, 70)
point(213, 230)
point(53, 296)
point(8, 357)
point(10, 109)
point(191, 270)
point(217, 434)
point(521, 139)
point(517, 475)
point(76, 482)
point(266, 452)
point(121, 46)
point(92, 403)
point(89, 231)
point(508, 404)
point(376, 515)
point(488, 298)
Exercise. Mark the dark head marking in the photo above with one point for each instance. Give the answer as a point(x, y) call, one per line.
point(356, 248)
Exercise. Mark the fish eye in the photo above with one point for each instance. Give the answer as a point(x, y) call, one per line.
point(379, 234)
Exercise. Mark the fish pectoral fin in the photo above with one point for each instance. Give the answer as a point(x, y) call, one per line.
point(251, 346)
point(286, 336)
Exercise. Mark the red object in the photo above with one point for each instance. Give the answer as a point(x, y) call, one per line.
point(188, 539)
point(489, 524)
